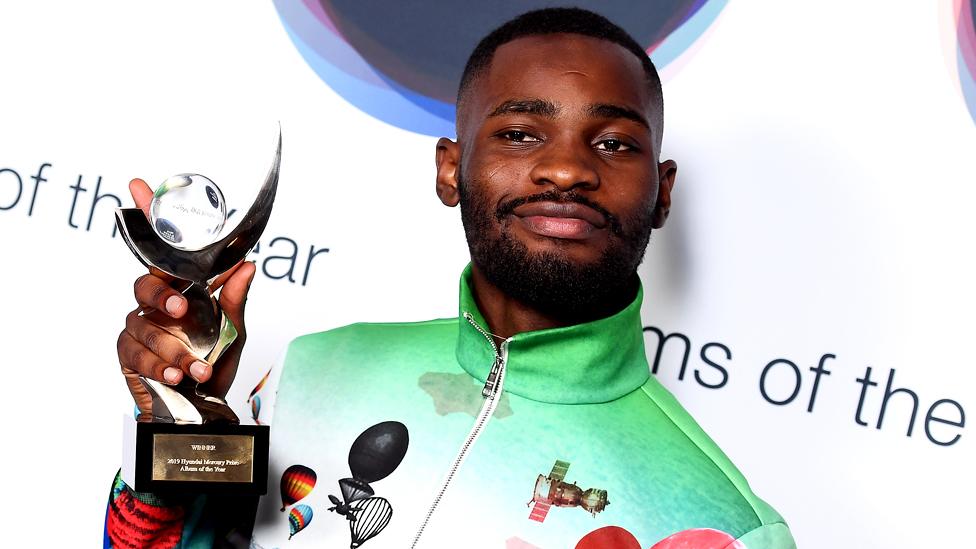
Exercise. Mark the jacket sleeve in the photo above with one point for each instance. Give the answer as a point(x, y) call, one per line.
point(142, 519)
point(768, 536)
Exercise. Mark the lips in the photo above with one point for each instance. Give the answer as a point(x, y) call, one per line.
point(564, 220)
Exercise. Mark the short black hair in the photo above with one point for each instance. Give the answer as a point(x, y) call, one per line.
point(560, 21)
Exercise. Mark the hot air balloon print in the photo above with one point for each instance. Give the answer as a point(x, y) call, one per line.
point(256, 408)
point(296, 483)
point(373, 456)
point(371, 517)
point(259, 385)
point(298, 519)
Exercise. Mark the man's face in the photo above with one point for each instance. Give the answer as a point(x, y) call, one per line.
point(556, 171)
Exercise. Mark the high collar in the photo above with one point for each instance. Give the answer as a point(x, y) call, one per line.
point(592, 362)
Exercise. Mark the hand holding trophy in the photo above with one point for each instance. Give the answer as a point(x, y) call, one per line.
point(193, 440)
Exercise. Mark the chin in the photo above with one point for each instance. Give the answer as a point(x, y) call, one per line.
point(580, 252)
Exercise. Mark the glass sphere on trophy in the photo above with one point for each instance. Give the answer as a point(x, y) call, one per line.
point(193, 442)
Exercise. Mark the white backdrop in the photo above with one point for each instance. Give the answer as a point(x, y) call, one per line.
point(822, 207)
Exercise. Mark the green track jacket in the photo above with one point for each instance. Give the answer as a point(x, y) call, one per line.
point(551, 439)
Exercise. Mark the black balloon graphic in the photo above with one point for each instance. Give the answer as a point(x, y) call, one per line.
point(378, 451)
point(374, 454)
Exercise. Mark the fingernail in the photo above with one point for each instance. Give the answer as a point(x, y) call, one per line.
point(200, 370)
point(173, 304)
point(171, 375)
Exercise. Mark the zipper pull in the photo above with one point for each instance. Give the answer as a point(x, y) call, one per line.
point(489, 389)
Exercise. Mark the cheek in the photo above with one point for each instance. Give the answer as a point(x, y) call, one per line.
point(650, 194)
point(629, 191)
point(646, 186)
point(631, 201)
point(499, 179)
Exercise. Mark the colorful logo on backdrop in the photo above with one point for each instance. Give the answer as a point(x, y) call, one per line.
point(401, 62)
point(964, 52)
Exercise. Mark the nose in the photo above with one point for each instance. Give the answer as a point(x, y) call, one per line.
point(566, 166)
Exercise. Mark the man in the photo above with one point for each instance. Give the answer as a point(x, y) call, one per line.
point(532, 419)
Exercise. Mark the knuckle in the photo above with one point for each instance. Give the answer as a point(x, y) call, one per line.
point(158, 293)
point(138, 359)
point(149, 289)
point(184, 359)
point(153, 340)
point(148, 364)
point(141, 285)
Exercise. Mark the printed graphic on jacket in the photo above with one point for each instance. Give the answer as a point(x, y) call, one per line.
point(454, 393)
point(373, 456)
point(615, 537)
point(254, 399)
point(552, 491)
point(296, 482)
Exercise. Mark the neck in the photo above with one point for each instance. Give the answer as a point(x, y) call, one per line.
point(507, 316)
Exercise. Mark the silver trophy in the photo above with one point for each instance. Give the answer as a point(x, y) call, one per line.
point(182, 238)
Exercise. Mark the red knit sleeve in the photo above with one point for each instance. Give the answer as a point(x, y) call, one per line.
point(134, 522)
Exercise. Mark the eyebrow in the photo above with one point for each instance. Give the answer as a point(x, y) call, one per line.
point(539, 107)
point(548, 109)
point(606, 110)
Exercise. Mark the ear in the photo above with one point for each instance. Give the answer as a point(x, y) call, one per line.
point(447, 158)
point(666, 171)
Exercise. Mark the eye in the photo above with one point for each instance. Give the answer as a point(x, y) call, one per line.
point(517, 136)
point(614, 145)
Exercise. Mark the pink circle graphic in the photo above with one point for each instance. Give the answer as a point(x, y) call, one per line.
point(964, 22)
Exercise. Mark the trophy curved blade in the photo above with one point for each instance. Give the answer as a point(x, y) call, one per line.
point(153, 251)
point(207, 263)
point(235, 246)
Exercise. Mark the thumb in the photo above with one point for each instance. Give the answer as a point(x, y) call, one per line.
point(141, 194)
point(233, 294)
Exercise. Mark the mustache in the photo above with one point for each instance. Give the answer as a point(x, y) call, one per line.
point(553, 195)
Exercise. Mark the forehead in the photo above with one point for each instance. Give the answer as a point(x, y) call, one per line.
point(565, 68)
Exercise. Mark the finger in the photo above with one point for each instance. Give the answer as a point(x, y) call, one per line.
point(233, 294)
point(135, 357)
point(220, 280)
point(141, 194)
point(232, 298)
point(160, 274)
point(139, 393)
point(152, 291)
point(166, 347)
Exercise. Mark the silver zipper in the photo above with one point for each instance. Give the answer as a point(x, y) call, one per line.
point(490, 383)
point(491, 391)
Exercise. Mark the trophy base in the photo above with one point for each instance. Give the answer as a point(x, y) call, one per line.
point(171, 458)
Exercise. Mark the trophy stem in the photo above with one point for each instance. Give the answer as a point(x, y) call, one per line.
point(169, 405)
point(185, 404)
point(226, 337)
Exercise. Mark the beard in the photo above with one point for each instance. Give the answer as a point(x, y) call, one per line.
point(551, 282)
